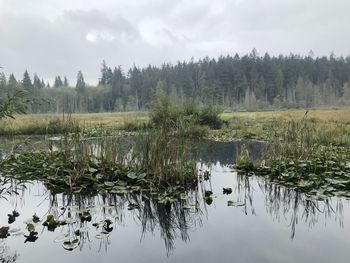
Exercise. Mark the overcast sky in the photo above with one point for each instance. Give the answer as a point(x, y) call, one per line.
point(63, 36)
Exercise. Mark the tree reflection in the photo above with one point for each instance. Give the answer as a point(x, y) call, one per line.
point(5, 255)
point(287, 204)
point(173, 219)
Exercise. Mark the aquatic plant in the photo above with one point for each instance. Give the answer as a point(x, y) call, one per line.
point(80, 165)
point(296, 157)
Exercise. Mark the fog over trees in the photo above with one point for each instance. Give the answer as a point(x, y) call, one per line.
point(249, 82)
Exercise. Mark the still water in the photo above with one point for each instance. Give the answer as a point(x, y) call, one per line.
point(268, 224)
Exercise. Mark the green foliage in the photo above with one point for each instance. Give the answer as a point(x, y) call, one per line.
point(163, 112)
point(13, 104)
point(209, 115)
point(188, 119)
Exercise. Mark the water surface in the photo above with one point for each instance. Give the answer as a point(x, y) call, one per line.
point(270, 223)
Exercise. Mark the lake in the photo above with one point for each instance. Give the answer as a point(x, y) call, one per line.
point(265, 222)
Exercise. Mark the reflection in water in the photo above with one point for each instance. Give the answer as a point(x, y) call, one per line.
point(6, 256)
point(177, 220)
point(174, 220)
point(287, 204)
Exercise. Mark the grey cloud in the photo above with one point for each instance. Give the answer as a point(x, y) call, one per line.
point(61, 37)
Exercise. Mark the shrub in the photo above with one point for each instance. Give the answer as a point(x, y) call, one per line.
point(184, 117)
point(209, 116)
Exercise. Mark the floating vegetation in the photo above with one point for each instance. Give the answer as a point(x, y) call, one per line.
point(12, 216)
point(102, 235)
point(60, 174)
point(227, 190)
point(32, 237)
point(71, 245)
point(297, 158)
point(51, 223)
point(4, 232)
point(322, 176)
point(233, 203)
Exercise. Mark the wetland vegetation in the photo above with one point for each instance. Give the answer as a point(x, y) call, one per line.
point(157, 167)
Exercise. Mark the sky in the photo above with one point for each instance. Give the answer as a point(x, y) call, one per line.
point(63, 36)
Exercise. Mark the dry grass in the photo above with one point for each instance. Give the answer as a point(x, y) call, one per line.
point(83, 118)
point(325, 115)
point(28, 124)
point(241, 124)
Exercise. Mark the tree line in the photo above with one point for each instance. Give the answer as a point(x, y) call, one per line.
point(248, 82)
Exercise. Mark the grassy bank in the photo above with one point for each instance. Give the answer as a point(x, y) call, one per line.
point(331, 125)
point(249, 125)
point(35, 124)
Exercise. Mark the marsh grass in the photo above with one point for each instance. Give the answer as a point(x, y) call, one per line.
point(305, 155)
point(39, 126)
point(166, 156)
point(75, 163)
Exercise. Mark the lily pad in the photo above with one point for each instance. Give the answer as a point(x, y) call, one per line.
point(132, 175)
point(70, 221)
point(63, 238)
point(109, 184)
point(102, 235)
point(233, 203)
point(71, 245)
point(190, 206)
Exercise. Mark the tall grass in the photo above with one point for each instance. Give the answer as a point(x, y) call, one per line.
point(303, 139)
point(45, 126)
point(163, 157)
point(167, 157)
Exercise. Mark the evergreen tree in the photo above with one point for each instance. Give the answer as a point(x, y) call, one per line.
point(3, 81)
point(58, 82)
point(37, 82)
point(80, 86)
point(12, 82)
point(65, 82)
point(26, 82)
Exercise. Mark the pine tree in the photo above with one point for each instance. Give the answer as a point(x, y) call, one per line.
point(106, 75)
point(37, 82)
point(65, 82)
point(80, 86)
point(3, 81)
point(12, 82)
point(58, 82)
point(26, 82)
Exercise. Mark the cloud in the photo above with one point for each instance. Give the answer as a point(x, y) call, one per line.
point(61, 37)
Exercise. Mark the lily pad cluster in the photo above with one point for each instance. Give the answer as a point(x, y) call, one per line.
point(322, 175)
point(57, 173)
point(61, 173)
